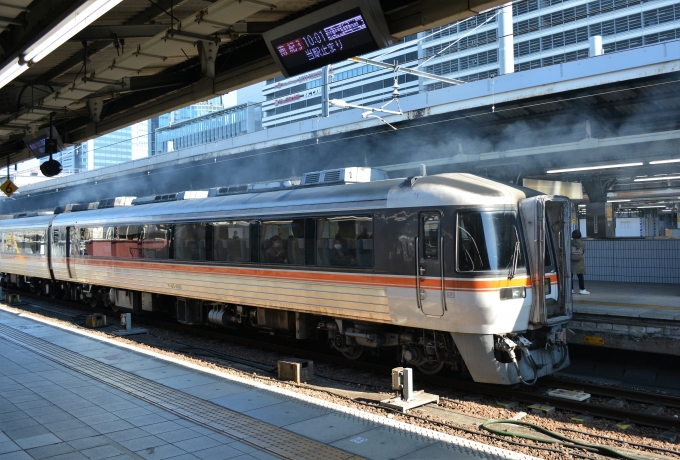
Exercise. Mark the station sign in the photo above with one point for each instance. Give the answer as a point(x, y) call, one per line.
point(8, 188)
point(340, 31)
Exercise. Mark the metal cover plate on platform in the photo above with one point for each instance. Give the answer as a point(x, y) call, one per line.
point(419, 398)
point(571, 395)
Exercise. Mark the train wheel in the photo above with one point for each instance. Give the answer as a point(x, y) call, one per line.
point(353, 352)
point(431, 368)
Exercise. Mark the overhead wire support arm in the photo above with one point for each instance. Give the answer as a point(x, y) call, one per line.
point(398, 68)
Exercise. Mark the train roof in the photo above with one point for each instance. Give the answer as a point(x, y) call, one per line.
point(27, 223)
point(453, 189)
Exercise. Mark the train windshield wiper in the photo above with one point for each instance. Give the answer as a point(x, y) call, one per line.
point(515, 258)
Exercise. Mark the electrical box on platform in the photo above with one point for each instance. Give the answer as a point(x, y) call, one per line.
point(94, 321)
point(297, 370)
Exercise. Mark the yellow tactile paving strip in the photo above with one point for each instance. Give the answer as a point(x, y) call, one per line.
point(262, 435)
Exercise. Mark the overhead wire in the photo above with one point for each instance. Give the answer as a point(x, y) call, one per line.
point(230, 157)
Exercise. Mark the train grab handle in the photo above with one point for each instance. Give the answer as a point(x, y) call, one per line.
point(418, 267)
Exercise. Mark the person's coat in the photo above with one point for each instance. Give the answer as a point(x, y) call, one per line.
point(579, 268)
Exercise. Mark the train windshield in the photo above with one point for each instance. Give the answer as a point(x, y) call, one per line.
point(488, 241)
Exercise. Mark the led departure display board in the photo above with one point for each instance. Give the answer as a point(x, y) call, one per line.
point(340, 31)
point(36, 142)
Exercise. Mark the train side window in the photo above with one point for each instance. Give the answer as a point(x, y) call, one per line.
point(93, 243)
point(28, 242)
point(190, 242)
point(345, 241)
point(282, 242)
point(156, 242)
point(430, 223)
point(19, 241)
point(59, 242)
point(126, 241)
point(74, 241)
point(231, 242)
point(488, 241)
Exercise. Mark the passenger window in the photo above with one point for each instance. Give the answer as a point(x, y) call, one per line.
point(231, 242)
point(190, 242)
point(156, 242)
point(344, 241)
point(488, 241)
point(126, 242)
point(27, 242)
point(93, 243)
point(283, 241)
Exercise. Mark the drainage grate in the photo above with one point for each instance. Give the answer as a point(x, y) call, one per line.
point(277, 441)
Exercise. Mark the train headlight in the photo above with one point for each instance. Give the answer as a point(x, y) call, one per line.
point(513, 293)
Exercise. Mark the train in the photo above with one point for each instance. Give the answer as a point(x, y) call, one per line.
point(446, 271)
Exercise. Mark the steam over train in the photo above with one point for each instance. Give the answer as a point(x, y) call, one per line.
point(449, 270)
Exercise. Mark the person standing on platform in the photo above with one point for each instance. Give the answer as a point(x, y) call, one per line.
point(578, 262)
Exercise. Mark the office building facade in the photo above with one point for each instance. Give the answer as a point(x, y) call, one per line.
point(545, 32)
point(178, 117)
point(211, 127)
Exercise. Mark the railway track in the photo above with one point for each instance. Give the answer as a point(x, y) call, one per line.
point(528, 395)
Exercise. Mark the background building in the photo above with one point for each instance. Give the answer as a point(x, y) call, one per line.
point(545, 32)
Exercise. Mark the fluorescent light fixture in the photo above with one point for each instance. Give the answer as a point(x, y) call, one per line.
point(85, 15)
point(655, 206)
point(11, 71)
point(659, 162)
point(592, 168)
point(89, 12)
point(616, 201)
point(649, 179)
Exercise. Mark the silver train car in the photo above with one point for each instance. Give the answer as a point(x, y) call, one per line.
point(443, 271)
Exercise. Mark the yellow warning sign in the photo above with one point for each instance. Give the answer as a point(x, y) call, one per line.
point(8, 187)
point(591, 340)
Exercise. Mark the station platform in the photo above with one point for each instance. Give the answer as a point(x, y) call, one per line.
point(631, 316)
point(66, 393)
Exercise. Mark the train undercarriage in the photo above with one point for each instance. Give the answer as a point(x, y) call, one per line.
point(430, 351)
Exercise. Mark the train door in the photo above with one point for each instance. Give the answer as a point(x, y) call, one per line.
point(429, 265)
point(546, 224)
point(72, 250)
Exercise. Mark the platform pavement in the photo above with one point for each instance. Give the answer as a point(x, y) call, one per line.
point(636, 300)
point(49, 410)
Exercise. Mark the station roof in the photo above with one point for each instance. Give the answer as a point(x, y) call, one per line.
point(159, 82)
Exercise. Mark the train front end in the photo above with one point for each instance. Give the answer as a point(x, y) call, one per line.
point(537, 345)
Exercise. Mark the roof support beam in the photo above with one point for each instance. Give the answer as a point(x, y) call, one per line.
point(145, 16)
point(93, 33)
point(120, 116)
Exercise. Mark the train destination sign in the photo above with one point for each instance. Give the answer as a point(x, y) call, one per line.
point(340, 31)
